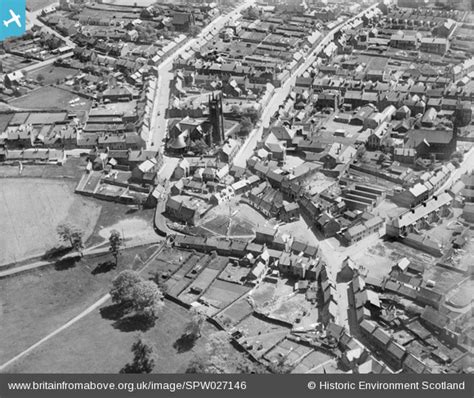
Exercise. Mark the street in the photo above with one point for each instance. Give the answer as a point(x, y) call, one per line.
point(165, 77)
point(282, 92)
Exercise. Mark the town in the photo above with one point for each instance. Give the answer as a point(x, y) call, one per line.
point(261, 186)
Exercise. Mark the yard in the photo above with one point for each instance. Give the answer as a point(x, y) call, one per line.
point(32, 210)
point(234, 218)
point(53, 74)
point(235, 312)
point(221, 294)
point(36, 303)
point(132, 222)
point(260, 335)
point(289, 350)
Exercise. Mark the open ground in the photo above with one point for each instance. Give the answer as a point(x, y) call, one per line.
point(33, 209)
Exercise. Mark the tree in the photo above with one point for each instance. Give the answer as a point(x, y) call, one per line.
point(194, 326)
point(218, 358)
point(246, 126)
point(143, 361)
point(281, 366)
point(123, 285)
point(147, 299)
point(40, 78)
point(71, 234)
point(116, 243)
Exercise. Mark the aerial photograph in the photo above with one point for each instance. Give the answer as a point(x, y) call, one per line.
point(237, 187)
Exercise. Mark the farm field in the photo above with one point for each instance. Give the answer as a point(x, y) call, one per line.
point(33, 209)
point(54, 295)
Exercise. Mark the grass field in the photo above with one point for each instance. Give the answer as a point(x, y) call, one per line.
point(49, 97)
point(53, 73)
point(36, 303)
point(31, 211)
point(94, 345)
point(33, 5)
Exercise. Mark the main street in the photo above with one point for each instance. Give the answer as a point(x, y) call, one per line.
point(282, 92)
point(165, 76)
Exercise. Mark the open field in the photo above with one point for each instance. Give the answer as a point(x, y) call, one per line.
point(36, 303)
point(132, 222)
point(31, 212)
point(49, 97)
point(97, 345)
point(71, 170)
point(52, 74)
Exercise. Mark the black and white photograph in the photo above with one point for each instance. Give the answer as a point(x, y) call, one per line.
point(237, 187)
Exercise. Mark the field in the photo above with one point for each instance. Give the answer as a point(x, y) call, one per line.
point(71, 170)
point(12, 62)
point(50, 98)
point(96, 345)
point(31, 211)
point(34, 5)
point(53, 73)
point(36, 303)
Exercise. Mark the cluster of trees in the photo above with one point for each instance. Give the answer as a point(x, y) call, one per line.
point(457, 158)
point(74, 236)
point(137, 295)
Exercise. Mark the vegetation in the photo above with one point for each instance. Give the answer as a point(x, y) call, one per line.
point(143, 358)
point(123, 285)
point(217, 359)
point(246, 126)
point(116, 243)
point(133, 293)
point(73, 235)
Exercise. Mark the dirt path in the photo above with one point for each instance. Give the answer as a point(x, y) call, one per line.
point(77, 318)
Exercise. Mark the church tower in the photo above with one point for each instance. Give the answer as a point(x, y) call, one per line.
point(216, 117)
